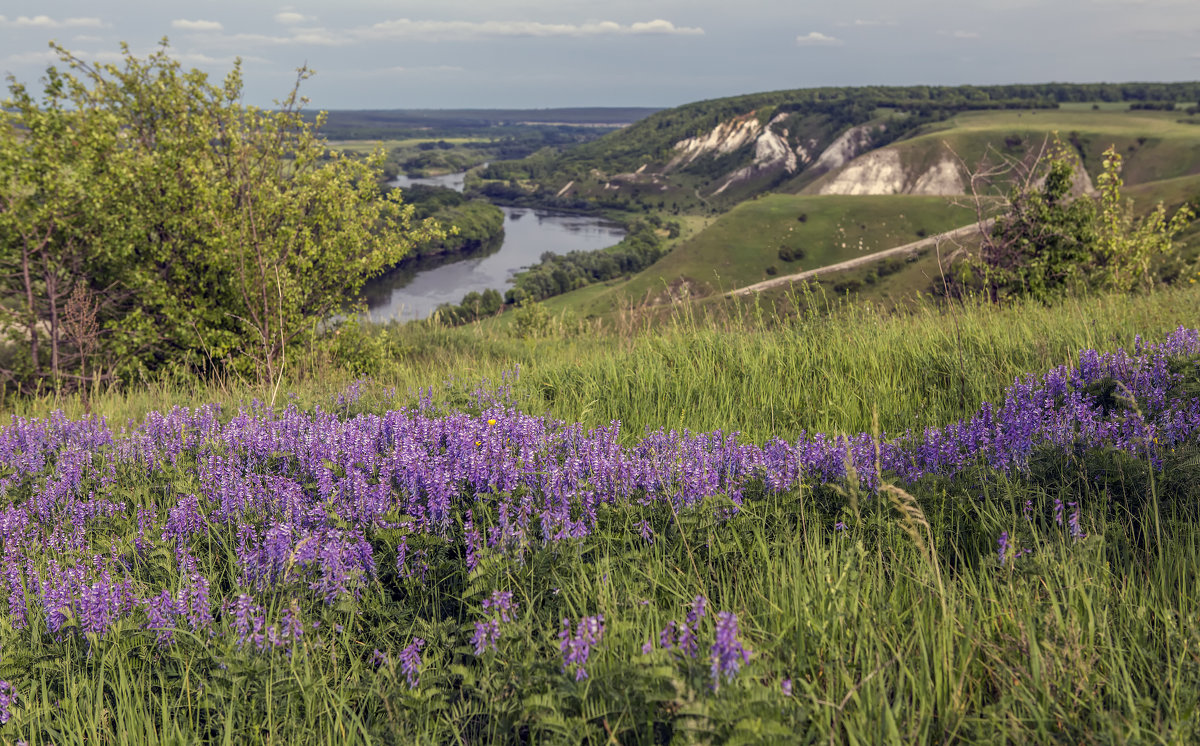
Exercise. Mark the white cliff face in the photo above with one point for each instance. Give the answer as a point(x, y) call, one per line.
point(844, 149)
point(771, 149)
point(943, 179)
point(724, 138)
point(877, 172)
point(883, 172)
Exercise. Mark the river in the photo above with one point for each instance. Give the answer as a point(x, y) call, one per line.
point(414, 290)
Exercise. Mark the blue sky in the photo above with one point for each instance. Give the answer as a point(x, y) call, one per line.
point(548, 53)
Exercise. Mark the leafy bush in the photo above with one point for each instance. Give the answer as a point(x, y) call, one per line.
point(151, 221)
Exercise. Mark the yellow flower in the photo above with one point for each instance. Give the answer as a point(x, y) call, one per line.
point(491, 422)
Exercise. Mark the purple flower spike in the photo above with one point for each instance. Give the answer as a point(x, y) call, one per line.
point(8, 695)
point(1002, 551)
point(576, 649)
point(728, 653)
point(410, 662)
point(786, 687)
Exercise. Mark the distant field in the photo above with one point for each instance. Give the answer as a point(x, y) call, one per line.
point(1155, 145)
point(366, 146)
point(739, 247)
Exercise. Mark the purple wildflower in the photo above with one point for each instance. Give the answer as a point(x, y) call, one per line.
point(486, 635)
point(728, 653)
point(576, 649)
point(786, 687)
point(666, 638)
point(1073, 527)
point(501, 603)
point(1003, 547)
point(410, 662)
point(8, 695)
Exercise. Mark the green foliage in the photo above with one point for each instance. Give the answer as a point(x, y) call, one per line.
point(191, 230)
point(1049, 240)
point(1125, 247)
point(531, 320)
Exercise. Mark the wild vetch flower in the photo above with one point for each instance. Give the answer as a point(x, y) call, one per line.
point(1058, 510)
point(839, 526)
point(576, 649)
point(696, 612)
point(647, 646)
point(410, 662)
point(486, 635)
point(728, 654)
point(501, 603)
point(646, 532)
point(786, 687)
point(687, 641)
point(8, 695)
point(1073, 526)
point(1003, 547)
point(666, 638)
point(378, 658)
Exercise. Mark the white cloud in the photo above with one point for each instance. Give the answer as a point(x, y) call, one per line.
point(960, 34)
point(46, 57)
point(860, 22)
point(86, 37)
point(659, 26)
point(186, 25)
point(817, 39)
point(441, 30)
point(43, 21)
point(291, 18)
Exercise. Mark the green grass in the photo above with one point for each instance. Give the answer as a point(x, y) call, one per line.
point(1155, 145)
point(739, 369)
point(889, 615)
point(736, 248)
point(888, 632)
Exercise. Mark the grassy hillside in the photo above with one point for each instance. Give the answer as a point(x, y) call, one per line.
point(1154, 145)
point(370, 563)
point(738, 248)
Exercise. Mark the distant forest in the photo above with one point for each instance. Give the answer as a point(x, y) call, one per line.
point(371, 124)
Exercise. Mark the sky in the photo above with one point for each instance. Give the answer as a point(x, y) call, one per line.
point(375, 54)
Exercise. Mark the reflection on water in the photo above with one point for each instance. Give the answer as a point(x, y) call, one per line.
point(450, 181)
point(528, 234)
point(414, 290)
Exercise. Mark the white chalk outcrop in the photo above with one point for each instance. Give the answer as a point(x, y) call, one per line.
point(883, 172)
point(846, 148)
point(724, 138)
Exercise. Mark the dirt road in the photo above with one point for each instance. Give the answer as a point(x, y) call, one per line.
point(957, 233)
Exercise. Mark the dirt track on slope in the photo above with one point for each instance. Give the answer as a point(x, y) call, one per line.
point(957, 233)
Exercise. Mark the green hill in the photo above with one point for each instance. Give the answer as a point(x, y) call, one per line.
point(710, 155)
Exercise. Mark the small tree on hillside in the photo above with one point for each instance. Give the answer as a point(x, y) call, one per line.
point(1043, 239)
point(1126, 246)
point(204, 231)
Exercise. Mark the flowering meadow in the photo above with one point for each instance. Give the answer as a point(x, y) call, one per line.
point(478, 573)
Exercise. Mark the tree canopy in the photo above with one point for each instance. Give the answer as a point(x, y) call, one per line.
point(151, 220)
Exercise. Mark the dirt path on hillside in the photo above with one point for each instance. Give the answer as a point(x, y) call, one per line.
point(957, 233)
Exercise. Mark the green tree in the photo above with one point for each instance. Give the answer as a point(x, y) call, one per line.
point(199, 230)
point(1126, 246)
point(1046, 239)
point(1042, 242)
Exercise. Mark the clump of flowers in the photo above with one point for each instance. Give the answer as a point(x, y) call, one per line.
point(578, 647)
point(501, 608)
point(728, 653)
point(410, 662)
point(8, 695)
